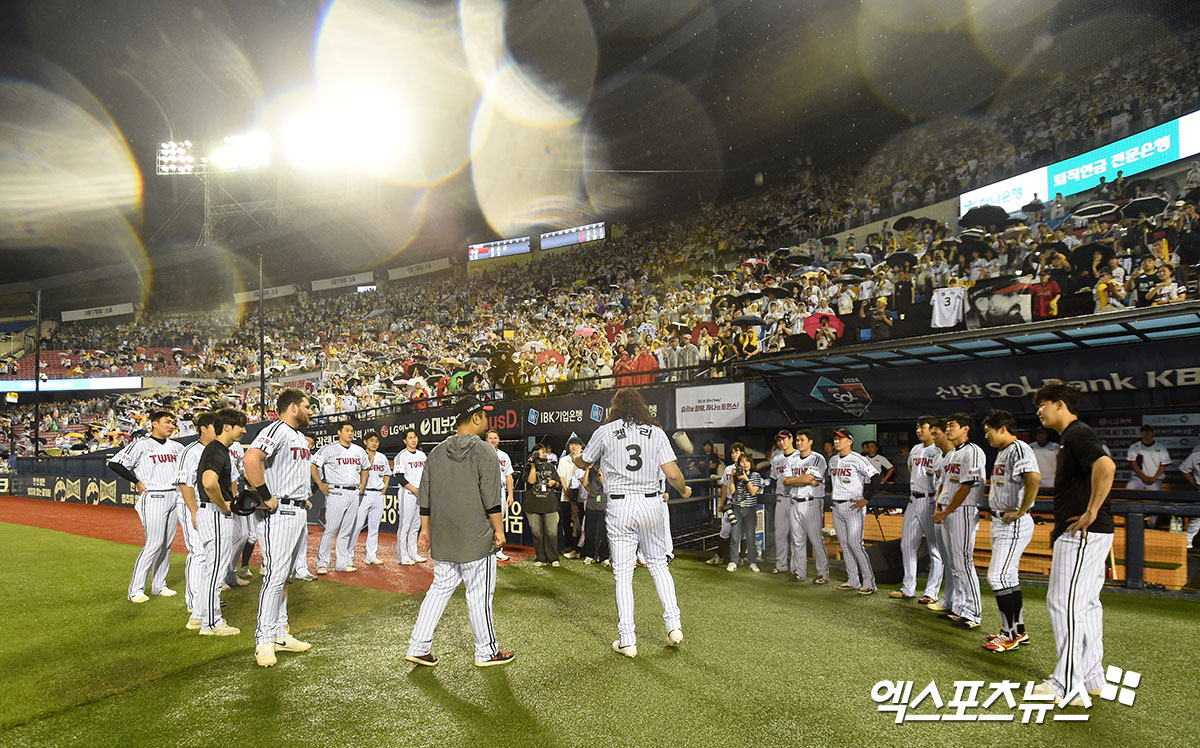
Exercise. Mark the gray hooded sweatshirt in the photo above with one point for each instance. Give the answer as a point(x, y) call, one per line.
point(459, 489)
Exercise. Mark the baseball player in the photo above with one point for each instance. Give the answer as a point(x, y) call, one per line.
point(962, 496)
point(633, 451)
point(300, 566)
point(340, 470)
point(802, 485)
point(854, 481)
point(408, 465)
point(461, 529)
point(243, 527)
point(185, 478)
point(1148, 460)
point(370, 509)
point(1191, 471)
point(1082, 539)
point(150, 463)
point(1015, 482)
point(278, 466)
point(722, 556)
point(506, 481)
point(940, 459)
point(214, 522)
point(918, 517)
point(783, 509)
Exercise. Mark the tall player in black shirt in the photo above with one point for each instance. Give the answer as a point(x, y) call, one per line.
point(1082, 537)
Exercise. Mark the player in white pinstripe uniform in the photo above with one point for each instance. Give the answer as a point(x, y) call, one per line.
point(940, 459)
point(151, 463)
point(854, 481)
point(633, 451)
point(1015, 482)
point(958, 510)
point(243, 527)
point(370, 509)
point(278, 466)
point(214, 480)
point(340, 470)
point(1082, 539)
point(918, 517)
point(506, 481)
point(781, 517)
point(802, 485)
point(185, 478)
point(408, 466)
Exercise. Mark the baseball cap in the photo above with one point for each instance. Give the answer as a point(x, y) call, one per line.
point(784, 433)
point(467, 406)
point(843, 433)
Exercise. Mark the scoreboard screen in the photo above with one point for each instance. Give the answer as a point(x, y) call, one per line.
point(578, 235)
point(501, 248)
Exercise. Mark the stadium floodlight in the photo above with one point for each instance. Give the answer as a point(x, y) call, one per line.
point(248, 151)
point(176, 157)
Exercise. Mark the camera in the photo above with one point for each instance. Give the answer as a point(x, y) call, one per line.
point(731, 516)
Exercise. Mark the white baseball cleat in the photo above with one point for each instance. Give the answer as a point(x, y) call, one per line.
point(242, 582)
point(193, 624)
point(225, 587)
point(221, 629)
point(290, 643)
point(1045, 689)
point(731, 566)
point(571, 554)
point(166, 592)
point(264, 655)
point(501, 556)
point(375, 562)
point(419, 560)
point(350, 567)
point(935, 605)
point(140, 597)
point(754, 568)
point(628, 651)
point(322, 570)
point(674, 636)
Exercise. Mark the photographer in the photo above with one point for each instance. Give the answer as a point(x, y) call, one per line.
point(746, 486)
point(541, 505)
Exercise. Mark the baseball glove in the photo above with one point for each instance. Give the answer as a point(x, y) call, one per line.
point(247, 503)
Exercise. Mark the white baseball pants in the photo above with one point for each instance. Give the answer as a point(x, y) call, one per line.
point(341, 507)
point(1008, 543)
point(408, 526)
point(806, 521)
point(300, 565)
point(782, 521)
point(918, 522)
point(193, 566)
point(216, 535)
point(960, 527)
point(156, 510)
point(1073, 597)
point(370, 511)
point(848, 524)
point(941, 540)
point(632, 522)
point(279, 534)
point(479, 578)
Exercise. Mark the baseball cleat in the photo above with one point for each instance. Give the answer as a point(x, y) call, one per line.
point(1018, 638)
point(714, 561)
point(419, 560)
point(966, 623)
point(588, 561)
point(225, 587)
point(500, 658)
point(306, 578)
point(1001, 644)
point(350, 567)
point(776, 570)
point(897, 594)
point(429, 659)
point(539, 563)
point(820, 580)
point(754, 568)
point(140, 597)
point(846, 587)
point(866, 590)
point(221, 629)
point(606, 563)
point(166, 592)
point(796, 577)
point(936, 605)
point(502, 556)
point(927, 600)
point(193, 624)
point(628, 651)
point(264, 655)
point(245, 573)
point(323, 570)
point(1045, 689)
point(731, 566)
point(950, 617)
point(674, 636)
point(571, 554)
point(242, 582)
point(375, 562)
point(556, 564)
point(290, 643)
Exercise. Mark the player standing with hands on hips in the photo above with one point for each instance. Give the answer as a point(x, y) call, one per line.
point(633, 452)
point(461, 529)
point(963, 493)
point(214, 521)
point(1082, 538)
point(278, 467)
point(855, 481)
point(344, 466)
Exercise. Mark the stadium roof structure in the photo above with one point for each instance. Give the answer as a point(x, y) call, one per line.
point(1127, 327)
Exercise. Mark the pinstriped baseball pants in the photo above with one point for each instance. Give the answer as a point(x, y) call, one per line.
point(1008, 543)
point(918, 521)
point(960, 529)
point(193, 567)
point(632, 522)
point(848, 524)
point(1073, 598)
point(479, 577)
point(156, 509)
point(806, 520)
point(215, 531)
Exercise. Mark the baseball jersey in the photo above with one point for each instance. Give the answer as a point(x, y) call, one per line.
point(964, 464)
point(377, 469)
point(237, 456)
point(286, 467)
point(850, 474)
point(154, 462)
point(940, 460)
point(341, 466)
point(881, 463)
point(1151, 456)
point(506, 469)
point(920, 469)
point(1047, 459)
point(793, 465)
point(1008, 483)
point(631, 456)
point(948, 306)
point(1191, 465)
point(412, 465)
point(185, 475)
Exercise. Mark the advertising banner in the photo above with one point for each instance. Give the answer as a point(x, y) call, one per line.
point(325, 284)
point(1009, 194)
point(1146, 150)
point(73, 315)
point(711, 406)
point(273, 292)
point(581, 414)
point(421, 268)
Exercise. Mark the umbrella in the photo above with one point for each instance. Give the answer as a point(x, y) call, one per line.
point(647, 328)
point(775, 292)
point(1094, 210)
point(1034, 206)
point(1143, 206)
point(864, 257)
point(904, 222)
point(855, 271)
point(549, 354)
point(753, 262)
point(1015, 231)
point(1081, 258)
point(984, 215)
point(477, 361)
point(748, 320)
point(1130, 187)
point(710, 326)
point(585, 332)
point(613, 305)
point(680, 327)
point(802, 256)
point(718, 276)
point(829, 241)
point(534, 345)
point(970, 244)
point(900, 259)
point(812, 323)
point(449, 361)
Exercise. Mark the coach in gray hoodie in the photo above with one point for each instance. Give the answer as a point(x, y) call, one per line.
point(461, 530)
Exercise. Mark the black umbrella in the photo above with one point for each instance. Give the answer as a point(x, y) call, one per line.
point(1094, 209)
point(970, 244)
point(1081, 258)
point(802, 256)
point(900, 259)
point(1143, 206)
point(775, 292)
point(858, 271)
point(829, 241)
point(984, 215)
point(746, 296)
point(1130, 188)
point(904, 222)
point(1033, 207)
point(1053, 247)
point(748, 320)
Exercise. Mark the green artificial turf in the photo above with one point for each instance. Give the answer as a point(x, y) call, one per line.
point(765, 663)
